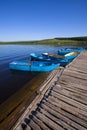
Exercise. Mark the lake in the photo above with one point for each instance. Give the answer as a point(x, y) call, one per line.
point(12, 81)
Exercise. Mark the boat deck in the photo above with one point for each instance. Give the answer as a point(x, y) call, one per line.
point(61, 103)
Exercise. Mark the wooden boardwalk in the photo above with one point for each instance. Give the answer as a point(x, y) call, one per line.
point(62, 105)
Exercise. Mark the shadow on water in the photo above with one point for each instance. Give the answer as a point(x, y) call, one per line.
point(13, 82)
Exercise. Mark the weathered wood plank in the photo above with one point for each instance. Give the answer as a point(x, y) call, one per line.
point(28, 127)
point(75, 96)
point(19, 128)
point(51, 124)
point(73, 85)
point(71, 89)
point(75, 74)
point(60, 119)
point(77, 70)
point(70, 101)
point(65, 113)
point(24, 127)
point(56, 118)
point(65, 106)
point(32, 124)
point(68, 79)
point(40, 123)
point(80, 68)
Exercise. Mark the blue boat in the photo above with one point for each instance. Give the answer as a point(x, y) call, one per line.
point(64, 51)
point(39, 57)
point(42, 57)
point(46, 56)
point(39, 66)
point(63, 60)
point(70, 56)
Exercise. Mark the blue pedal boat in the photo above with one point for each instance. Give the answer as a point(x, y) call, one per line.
point(39, 66)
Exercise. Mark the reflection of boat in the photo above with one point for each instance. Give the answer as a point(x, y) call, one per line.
point(64, 51)
point(39, 66)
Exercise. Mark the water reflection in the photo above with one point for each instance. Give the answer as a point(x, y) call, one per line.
point(12, 81)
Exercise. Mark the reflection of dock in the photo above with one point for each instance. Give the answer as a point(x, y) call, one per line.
point(61, 103)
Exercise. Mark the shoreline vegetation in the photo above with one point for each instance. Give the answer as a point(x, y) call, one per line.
point(75, 41)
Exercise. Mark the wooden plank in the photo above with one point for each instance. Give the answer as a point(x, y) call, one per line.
point(60, 119)
point(78, 76)
point(73, 85)
point(28, 127)
point(70, 89)
point(75, 96)
point(56, 118)
point(65, 113)
point(69, 101)
point(19, 128)
point(51, 124)
point(40, 123)
point(67, 107)
point(32, 124)
point(77, 70)
point(75, 74)
point(79, 64)
point(80, 68)
point(68, 79)
point(24, 127)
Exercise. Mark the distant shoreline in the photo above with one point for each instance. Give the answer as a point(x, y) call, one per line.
point(75, 41)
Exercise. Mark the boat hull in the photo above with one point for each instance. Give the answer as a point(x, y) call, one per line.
point(33, 66)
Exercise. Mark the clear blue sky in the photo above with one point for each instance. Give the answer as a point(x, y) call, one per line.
point(42, 19)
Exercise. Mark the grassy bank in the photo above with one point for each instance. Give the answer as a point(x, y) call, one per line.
point(13, 107)
point(75, 41)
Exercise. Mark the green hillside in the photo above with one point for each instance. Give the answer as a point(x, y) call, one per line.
point(73, 38)
point(63, 41)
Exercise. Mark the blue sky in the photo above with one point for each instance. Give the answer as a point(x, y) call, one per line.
point(42, 19)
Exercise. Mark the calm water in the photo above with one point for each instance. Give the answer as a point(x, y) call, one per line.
point(10, 81)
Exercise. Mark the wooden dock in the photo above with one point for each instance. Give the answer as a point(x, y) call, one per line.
point(61, 103)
